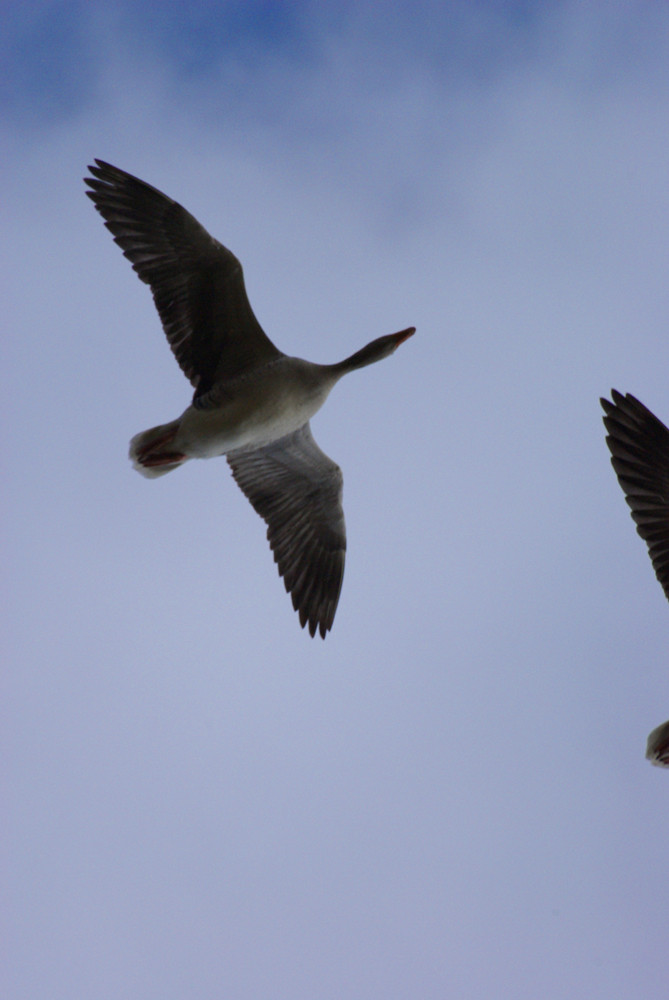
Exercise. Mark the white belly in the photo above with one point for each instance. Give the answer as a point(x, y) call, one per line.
point(255, 414)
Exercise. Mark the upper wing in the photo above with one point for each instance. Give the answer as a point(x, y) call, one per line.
point(297, 489)
point(639, 446)
point(197, 284)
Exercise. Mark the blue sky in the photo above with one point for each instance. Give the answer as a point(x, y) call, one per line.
point(447, 797)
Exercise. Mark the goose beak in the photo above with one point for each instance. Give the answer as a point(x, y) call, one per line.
point(403, 335)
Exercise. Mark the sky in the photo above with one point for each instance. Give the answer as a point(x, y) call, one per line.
point(447, 797)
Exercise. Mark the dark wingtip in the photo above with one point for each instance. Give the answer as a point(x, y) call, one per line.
point(617, 398)
point(103, 171)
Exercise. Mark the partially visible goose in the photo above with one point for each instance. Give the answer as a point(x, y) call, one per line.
point(639, 446)
point(252, 403)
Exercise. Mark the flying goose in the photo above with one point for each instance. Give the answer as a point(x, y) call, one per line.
point(251, 403)
point(639, 446)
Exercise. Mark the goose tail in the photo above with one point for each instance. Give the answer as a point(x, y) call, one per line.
point(152, 452)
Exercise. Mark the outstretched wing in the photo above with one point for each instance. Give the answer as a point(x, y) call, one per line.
point(197, 284)
point(639, 446)
point(297, 490)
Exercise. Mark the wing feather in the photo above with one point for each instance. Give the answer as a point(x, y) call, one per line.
point(197, 284)
point(297, 490)
point(639, 446)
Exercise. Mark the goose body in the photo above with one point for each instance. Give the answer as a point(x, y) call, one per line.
point(245, 412)
point(657, 747)
point(639, 446)
point(251, 402)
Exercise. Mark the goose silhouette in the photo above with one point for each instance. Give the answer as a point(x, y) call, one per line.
point(251, 402)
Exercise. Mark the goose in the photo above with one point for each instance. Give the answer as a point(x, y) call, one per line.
point(639, 446)
point(251, 402)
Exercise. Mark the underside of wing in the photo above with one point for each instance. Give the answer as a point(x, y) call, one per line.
point(297, 490)
point(639, 446)
point(197, 284)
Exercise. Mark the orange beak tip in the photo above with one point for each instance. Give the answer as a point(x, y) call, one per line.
point(405, 334)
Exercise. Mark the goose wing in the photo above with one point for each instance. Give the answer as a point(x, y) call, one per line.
point(197, 284)
point(297, 490)
point(639, 446)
